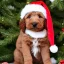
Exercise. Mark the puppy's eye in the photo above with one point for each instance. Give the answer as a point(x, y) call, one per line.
point(39, 16)
point(29, 16)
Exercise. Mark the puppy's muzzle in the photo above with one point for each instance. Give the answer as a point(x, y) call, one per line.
point(34, 24)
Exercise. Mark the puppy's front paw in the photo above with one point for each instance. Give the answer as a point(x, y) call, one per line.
point(28, 62)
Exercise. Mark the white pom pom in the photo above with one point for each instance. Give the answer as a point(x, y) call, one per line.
point(53, 60)
point(53, 48)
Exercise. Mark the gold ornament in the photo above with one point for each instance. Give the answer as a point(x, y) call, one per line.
point(27, 2)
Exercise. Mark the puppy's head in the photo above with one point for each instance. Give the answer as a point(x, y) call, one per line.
point(34, 21)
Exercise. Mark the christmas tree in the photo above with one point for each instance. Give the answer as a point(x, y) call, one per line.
point(9, 26)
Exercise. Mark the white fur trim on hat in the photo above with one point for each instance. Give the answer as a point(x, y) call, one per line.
point(32, 7)
point(53, 48)
point(33, 34)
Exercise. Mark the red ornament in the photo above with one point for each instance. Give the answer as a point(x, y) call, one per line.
point(62, 62)
point(38, 0)
point(63, 29)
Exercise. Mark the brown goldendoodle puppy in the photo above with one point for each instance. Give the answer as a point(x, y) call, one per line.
point(31, 50)
point(36, 28)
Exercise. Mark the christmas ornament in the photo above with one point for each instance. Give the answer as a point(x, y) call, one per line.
point(27, 2)
point(62, 62)
point(63, 29)
point(42, 7)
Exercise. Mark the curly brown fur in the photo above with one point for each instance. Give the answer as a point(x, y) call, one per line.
point(22, 53)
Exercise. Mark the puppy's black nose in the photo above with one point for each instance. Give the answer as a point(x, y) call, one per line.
point(34, 24)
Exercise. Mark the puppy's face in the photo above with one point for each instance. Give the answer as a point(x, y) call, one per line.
point(34, 21)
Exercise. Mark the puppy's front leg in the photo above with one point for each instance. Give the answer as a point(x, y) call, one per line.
point(26, 54)
point(26, 50)
point(45, 54)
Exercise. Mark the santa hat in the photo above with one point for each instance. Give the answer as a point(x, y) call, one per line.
point(40, 6)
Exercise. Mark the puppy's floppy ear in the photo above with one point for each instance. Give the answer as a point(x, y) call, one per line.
point(22, 25)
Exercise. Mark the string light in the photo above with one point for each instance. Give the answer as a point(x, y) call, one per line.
point(2, 19)
point(28, 2)
point(63, 44)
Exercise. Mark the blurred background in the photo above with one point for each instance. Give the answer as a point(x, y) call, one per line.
point(9, 26)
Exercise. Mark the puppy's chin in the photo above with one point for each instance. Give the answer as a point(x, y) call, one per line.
point(36, 29)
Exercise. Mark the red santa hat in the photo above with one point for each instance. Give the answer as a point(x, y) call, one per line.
point(40, 6)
